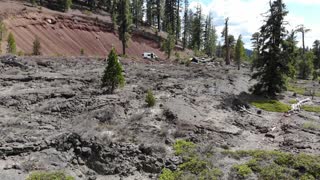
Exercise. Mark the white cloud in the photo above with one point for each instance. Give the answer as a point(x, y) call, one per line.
point(246, 17)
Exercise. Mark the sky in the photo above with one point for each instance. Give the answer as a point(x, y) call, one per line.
point(245, 16)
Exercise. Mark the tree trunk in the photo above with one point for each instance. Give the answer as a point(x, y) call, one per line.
point(123, 47)
point(303, 43)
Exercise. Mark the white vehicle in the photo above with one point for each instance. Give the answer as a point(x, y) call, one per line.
point(149, 55)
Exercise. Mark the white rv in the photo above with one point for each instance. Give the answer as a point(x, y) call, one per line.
point(149, 55)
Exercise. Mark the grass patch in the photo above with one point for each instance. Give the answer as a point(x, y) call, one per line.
point(311, 125)
point(271, 105)
point(311, 108)
point(293, 101)
point(49, 176)
point(295, 89)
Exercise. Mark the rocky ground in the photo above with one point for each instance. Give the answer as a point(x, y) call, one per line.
point(55, 116)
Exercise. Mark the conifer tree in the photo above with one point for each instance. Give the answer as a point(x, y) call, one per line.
point(306, 65)
point(113, 77)
point(316, 51)
point(11, 44)
point(272, 66)
point(239, 52)
point(36, 46)
point(137, 11)
point(125, 21)
point(196, 34)
point(226, 41)
point(169, 43)
point(291, 53)
point(185, 24)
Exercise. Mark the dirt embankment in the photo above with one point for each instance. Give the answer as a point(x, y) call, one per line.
point(67, 34)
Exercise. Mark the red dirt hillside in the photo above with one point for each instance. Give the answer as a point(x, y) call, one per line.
point(67, 34)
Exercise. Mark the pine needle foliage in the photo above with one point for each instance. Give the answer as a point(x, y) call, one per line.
point(113, 77)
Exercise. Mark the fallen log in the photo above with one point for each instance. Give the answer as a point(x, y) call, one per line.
point(297, 106)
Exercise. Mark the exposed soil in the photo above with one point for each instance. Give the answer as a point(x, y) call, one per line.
point(65, 34)
point(54, 115)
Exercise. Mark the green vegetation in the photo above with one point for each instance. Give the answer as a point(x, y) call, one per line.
point(182, 147)
point(271, 105)
point(311, 125)
point(49, 176)
point(168, 44)
point(311, 108)
point(2, 30)
point(243, 170)
point(306, 65)
point(277, 165)
point(113, 76)
point(272, 68)
point(125, 23)
point(195, 165)
point(167, 174)
point(293, 101)
point(66, 5)
point(36, 46)
point(296, 89)
point(81, 51)
point(150, 100)
point(11, 44)
point(240, 52)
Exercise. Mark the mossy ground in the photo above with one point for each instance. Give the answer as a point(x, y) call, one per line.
point(263, 164)
point(271, 105)
point(43, 175)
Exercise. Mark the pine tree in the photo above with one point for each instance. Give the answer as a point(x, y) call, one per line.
point(210, 37)
point(185, 25)
point(113, 77)
point(196, 34)
point(291, 52)
point(226, 41)
point(169, 43)
point(137, 11)
point(239, 52)
point(36, 46)
point(306, 65)
point(124, 24)
point(219, 50)
point(316, 51)
point(11, 44)
point(272, 66)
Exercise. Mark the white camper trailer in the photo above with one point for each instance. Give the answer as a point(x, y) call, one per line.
point(149, 55)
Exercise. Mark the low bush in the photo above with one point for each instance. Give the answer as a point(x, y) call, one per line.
point(150, 100)
point(311, 108)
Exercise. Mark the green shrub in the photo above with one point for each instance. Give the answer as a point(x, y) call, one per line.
point(311, 108)
point(167, 174)
point(194, 165)
point(183, 147)
point(113, 76)
point(272, 172)
point(49, 176)
point(150, 100)
point(11, 44)
point(271, 105)
point(243, 170)
point(81, 51)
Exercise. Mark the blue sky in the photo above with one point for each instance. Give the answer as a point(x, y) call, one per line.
point(245, 16)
